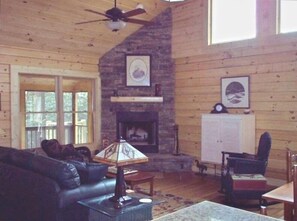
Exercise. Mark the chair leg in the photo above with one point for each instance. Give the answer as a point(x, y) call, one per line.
point(222, 189)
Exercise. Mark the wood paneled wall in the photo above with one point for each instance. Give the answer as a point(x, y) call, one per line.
point(5, 135)
point(45, 59)
point(270, 60)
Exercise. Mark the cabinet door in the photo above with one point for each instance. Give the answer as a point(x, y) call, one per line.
point(230, 134)
point(210, 143)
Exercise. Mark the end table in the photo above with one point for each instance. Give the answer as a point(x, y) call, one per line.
point(101, 208)
point(139, 177)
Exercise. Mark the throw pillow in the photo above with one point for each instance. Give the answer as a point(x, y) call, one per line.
point(89, 172)
point(69, 153)
point(52, 148)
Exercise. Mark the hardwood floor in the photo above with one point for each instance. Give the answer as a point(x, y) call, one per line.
point(198, 188)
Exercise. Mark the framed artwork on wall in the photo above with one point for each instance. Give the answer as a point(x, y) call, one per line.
point(235, 92)
point(138, 70)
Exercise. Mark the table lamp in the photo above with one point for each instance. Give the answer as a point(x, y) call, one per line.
point(119, 154)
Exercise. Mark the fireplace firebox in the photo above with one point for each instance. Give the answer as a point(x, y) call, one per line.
point(140, 129)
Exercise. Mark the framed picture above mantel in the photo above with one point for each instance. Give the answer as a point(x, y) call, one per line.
point(235, 92)
point(138, 70)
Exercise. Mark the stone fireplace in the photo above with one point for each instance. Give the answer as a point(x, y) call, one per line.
point(156, 135)
point(140, 129)
point(146, 41)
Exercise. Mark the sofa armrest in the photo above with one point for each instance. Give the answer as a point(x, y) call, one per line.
point(26, 189)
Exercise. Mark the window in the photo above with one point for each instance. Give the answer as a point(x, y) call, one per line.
point(287, 16)
point(231, 20)
point(51, 112)
point(41, 117)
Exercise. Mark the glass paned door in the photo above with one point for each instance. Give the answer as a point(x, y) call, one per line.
point(77, 106)
point(40, 110)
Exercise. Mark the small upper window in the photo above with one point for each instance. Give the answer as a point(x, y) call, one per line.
point(231, 20)
point(287, 16)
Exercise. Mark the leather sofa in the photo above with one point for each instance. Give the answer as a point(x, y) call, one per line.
point(35, 187)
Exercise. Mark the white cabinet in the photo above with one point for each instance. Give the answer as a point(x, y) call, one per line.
point(226, 132)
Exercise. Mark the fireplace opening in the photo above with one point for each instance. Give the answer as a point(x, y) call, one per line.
point(140, 129)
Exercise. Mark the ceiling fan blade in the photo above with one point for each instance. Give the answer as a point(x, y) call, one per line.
point(137, 21)
point(85, 22)
point(98, 13)
point(133, 12)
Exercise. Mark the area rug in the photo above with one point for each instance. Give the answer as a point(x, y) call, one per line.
point(206, 211)
point(165, 203)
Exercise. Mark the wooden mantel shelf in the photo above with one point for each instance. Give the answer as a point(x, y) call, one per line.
point(136, 99)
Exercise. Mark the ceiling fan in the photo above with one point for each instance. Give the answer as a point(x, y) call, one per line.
point(116, 19)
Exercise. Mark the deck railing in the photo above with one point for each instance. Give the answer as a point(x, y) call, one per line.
point(34, 135)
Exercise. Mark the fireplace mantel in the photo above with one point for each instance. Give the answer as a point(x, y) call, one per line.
point(136, 99)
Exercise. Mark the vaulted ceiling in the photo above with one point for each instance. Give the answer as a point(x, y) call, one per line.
point(49, 25)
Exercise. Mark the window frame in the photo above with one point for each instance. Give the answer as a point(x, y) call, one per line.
point(210, 26)
point(278, 19)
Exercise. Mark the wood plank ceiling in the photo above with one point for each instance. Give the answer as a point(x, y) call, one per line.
point(49, 25)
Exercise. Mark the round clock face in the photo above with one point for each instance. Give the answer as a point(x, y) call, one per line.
point(219, 107)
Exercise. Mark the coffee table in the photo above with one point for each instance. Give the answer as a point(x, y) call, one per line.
point(139, 177)
point(101, 208)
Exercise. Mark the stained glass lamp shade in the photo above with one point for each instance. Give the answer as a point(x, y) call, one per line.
point(119, 154)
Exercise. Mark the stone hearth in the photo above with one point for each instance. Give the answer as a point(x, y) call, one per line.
point(166, 163)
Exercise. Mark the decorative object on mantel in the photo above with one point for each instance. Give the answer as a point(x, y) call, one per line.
point(176, 143)
point(158, 89)
point(138, 70)
point(235, 92)
point(219, 108)
point(119, 154)
point(116, 19)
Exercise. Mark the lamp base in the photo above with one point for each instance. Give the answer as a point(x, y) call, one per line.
point(119, 202)
point(120, 197)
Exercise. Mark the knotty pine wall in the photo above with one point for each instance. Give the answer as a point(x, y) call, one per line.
point(270, 60)
point(48, 61)
point(5, 135)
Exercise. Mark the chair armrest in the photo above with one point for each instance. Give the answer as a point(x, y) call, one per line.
point(228, 152)
point(250, 156)
point(225, 156)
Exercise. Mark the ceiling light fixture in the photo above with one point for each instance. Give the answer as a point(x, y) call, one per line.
point(140, 6)
point(116, 25)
